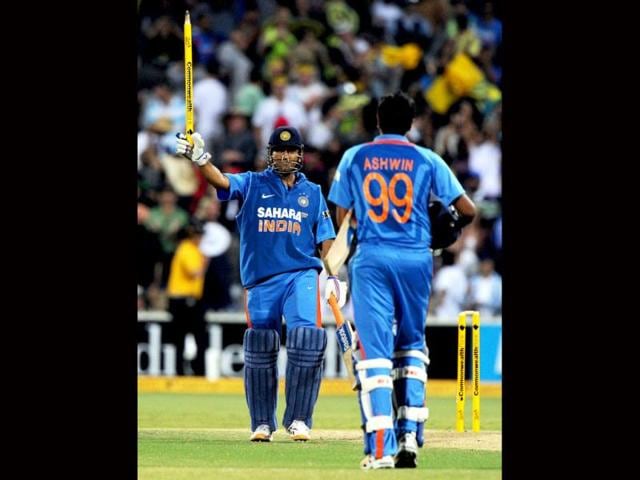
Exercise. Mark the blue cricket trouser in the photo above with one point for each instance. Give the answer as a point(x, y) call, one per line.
point(387, 284)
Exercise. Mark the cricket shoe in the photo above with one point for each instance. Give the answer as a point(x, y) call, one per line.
point(261, 434)
point(371, 463)
point(407, 456)
point(299, 431)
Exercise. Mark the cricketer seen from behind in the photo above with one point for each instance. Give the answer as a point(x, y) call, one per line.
point(388, 183)
point(283, 220)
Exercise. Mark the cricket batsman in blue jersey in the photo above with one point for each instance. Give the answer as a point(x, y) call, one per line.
point(283, 220)
point(388, 183)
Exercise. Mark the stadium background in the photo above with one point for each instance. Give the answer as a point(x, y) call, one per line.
point(319, 66)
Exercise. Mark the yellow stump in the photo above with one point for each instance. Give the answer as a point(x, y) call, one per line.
point(462, 340)
point(476, 372)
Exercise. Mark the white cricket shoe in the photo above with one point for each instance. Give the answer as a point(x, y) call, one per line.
point(299, 431)
point(371, 463)
point(407, 456)
point(261, 434)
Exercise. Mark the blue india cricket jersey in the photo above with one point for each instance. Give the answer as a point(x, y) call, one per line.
point(388, 183)
point(279, 227)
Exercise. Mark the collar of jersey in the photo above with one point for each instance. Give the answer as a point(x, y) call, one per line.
point(391, 136)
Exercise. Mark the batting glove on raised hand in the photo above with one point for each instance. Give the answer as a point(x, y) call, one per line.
point(338, 288)
point(194, 152)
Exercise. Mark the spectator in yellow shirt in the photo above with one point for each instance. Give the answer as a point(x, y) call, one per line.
point(186, 280)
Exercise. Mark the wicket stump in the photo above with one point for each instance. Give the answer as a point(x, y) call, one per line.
point(475, 372)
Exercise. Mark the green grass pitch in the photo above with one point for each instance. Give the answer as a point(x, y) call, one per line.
point(205, 436)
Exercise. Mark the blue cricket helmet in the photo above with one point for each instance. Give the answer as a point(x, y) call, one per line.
point(283, 137)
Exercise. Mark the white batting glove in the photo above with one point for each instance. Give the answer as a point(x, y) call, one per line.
point(194, 152)
point(338, 288)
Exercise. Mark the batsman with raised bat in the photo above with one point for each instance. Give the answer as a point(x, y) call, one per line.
point(388, 183)
point(283, 220)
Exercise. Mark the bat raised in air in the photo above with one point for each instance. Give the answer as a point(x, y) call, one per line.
point(188, 77)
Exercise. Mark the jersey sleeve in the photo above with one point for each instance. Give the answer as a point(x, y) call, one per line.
point(238, 186)
point(324, 224)
point(340, 194)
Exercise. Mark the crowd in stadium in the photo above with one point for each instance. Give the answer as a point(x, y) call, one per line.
point(319, 66)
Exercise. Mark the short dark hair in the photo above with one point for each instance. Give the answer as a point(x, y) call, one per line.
point(396, 113)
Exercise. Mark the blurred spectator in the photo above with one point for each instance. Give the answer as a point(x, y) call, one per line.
point(238, 150)
point(277, 111)
point(210, 101)
point(449, 138)
point(459, 29)
point(148, 251)
point(466, 40)
point(485, 61)
point(308, 91)
point(341, 17)
point(473, 238)
point(250, 95)
point(146, 197)
point(488, 27)
point(315, 169)
point(450, 287)
point(485, 159)
point(310, 51)
point(164, 43)
point(186, 280)
point(151, 175)
point(214, 245)
point(167, 220)
point(323, 132)
point(413, 27)
point(423, 131)
point(274, 68)
point(348, 52)
point(203, 38)
point(234, 60)
point(164, 113)
point(486, 290)
point(182, 179)
point(223, 16)
point(277, 41)
point(386, 14)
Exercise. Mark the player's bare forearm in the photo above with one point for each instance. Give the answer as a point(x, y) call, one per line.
point(326, 245)
point(466, 208)
point(214, 176)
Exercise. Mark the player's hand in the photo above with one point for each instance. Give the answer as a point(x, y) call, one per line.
point(194, 152)
point(338, 288)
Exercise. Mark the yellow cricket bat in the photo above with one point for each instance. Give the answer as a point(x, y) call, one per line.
point(188, 77)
